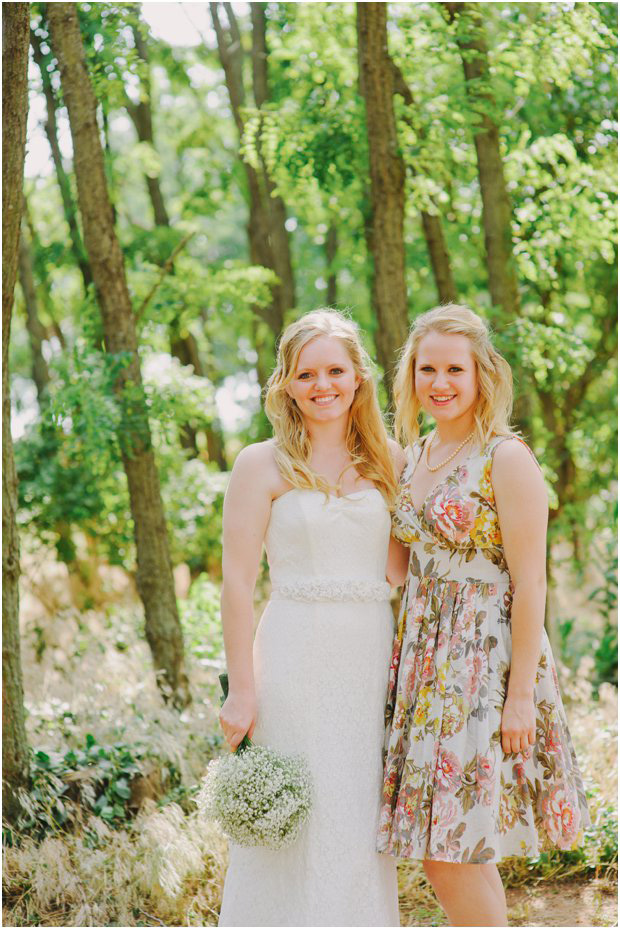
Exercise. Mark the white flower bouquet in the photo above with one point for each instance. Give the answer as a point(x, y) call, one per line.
point(257, 795)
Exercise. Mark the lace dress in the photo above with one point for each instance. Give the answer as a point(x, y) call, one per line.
point(321, 658)
point(450, 792)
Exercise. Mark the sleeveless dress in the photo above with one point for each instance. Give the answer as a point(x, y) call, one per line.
point(321, 660)
point(450, 792)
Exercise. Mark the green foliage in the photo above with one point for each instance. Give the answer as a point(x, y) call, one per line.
point(606, 599)
point(94, 777)
point(194, 498)
point(201, 622)
point(553, 88)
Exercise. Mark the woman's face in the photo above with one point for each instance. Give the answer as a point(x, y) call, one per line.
point(325, 381)
point(446, 379)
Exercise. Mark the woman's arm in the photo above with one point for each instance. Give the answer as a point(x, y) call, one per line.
point(398, 554)
point(522, 508)
point(247, 507)
point(397, 563)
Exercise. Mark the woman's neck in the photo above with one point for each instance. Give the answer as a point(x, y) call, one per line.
point(327, 437)
point(452, 433)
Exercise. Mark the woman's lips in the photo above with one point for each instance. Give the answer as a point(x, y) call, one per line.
point(325, 400)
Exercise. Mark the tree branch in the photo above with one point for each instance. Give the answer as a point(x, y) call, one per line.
point(165, 269)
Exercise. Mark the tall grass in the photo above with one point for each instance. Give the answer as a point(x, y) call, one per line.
point(162, 865)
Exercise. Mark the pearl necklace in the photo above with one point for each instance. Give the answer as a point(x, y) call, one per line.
point(450, 457)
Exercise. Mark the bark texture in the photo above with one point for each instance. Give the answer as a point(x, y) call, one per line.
point(387, 186)
point(15, 25)
point(154, 569)
point(496, 207)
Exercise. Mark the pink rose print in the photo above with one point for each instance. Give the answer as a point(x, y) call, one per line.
point(561, 817)
point(486, 769)
point(428, 667)
point(444, 812)
point(475, 667)
point(454, 517)
point(448, 772)
point(519, 773)
point(552, 741)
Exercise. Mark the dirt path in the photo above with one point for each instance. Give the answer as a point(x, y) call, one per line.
point(588, 903)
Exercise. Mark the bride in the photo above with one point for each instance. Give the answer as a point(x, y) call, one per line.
point(313, 680)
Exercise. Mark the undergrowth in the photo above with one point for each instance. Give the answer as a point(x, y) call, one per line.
point(110, 834)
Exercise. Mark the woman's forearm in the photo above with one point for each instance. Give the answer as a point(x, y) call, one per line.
point(527, 619)
point(238, 626)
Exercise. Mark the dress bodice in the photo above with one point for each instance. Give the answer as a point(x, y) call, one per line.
point(456, 534)
point(314, 537)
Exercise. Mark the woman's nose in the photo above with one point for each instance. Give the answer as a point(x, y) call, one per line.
point(322, 380)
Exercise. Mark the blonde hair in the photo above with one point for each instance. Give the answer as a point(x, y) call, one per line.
point(494, 407)
point(366, 438)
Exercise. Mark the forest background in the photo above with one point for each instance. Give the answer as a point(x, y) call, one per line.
point(197, 176)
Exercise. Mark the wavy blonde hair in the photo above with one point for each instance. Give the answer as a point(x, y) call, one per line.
point(366, 438)
point(494, 407)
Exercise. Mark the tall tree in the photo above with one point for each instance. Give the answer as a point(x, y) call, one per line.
point(432, 226)
point(35, 328)
point(154, 569)
point(51, 131)
point(267, 233)
point(15, 25)
point(496, 208)
point(387, 186)
point(183, 345)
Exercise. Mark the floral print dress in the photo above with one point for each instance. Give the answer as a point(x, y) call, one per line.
point(450, 792)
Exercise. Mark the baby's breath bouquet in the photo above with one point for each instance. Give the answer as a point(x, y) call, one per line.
point(257, 795)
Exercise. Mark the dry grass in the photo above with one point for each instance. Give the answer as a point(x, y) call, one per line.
point(167, 867)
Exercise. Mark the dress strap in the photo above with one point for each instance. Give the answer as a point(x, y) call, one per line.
point(495, 442)
point(412, 456)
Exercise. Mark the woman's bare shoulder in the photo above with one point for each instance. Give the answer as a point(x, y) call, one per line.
point(256, 468)
point(398, 455)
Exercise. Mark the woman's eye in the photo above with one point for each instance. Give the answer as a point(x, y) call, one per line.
point(336, 371)
point(455, 369)
point(427, 369)
point(303, 376)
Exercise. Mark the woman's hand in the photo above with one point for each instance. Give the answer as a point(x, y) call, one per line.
point(518, 723)
point(238, 718)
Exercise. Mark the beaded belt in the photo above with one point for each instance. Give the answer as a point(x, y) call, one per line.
point(333, 590)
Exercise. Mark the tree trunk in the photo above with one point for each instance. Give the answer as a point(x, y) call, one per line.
point(142, 118)
point(43, 279)
point(36, 330)
point(268, 237)
point(331, 251)
point(432, 227)
point(387, 186)
point(496, 208)
point(440, 260)
point(154, 569)
point(51, 131)
point(15, 26)
point(274, 204)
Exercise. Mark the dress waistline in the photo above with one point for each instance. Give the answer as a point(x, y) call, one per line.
point(332, 590)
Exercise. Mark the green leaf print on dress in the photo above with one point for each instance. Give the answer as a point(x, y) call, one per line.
point(450, 792)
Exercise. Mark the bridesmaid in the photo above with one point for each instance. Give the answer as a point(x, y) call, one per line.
point(479, 762)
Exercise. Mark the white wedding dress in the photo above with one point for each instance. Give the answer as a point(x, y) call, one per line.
point(321, 658)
